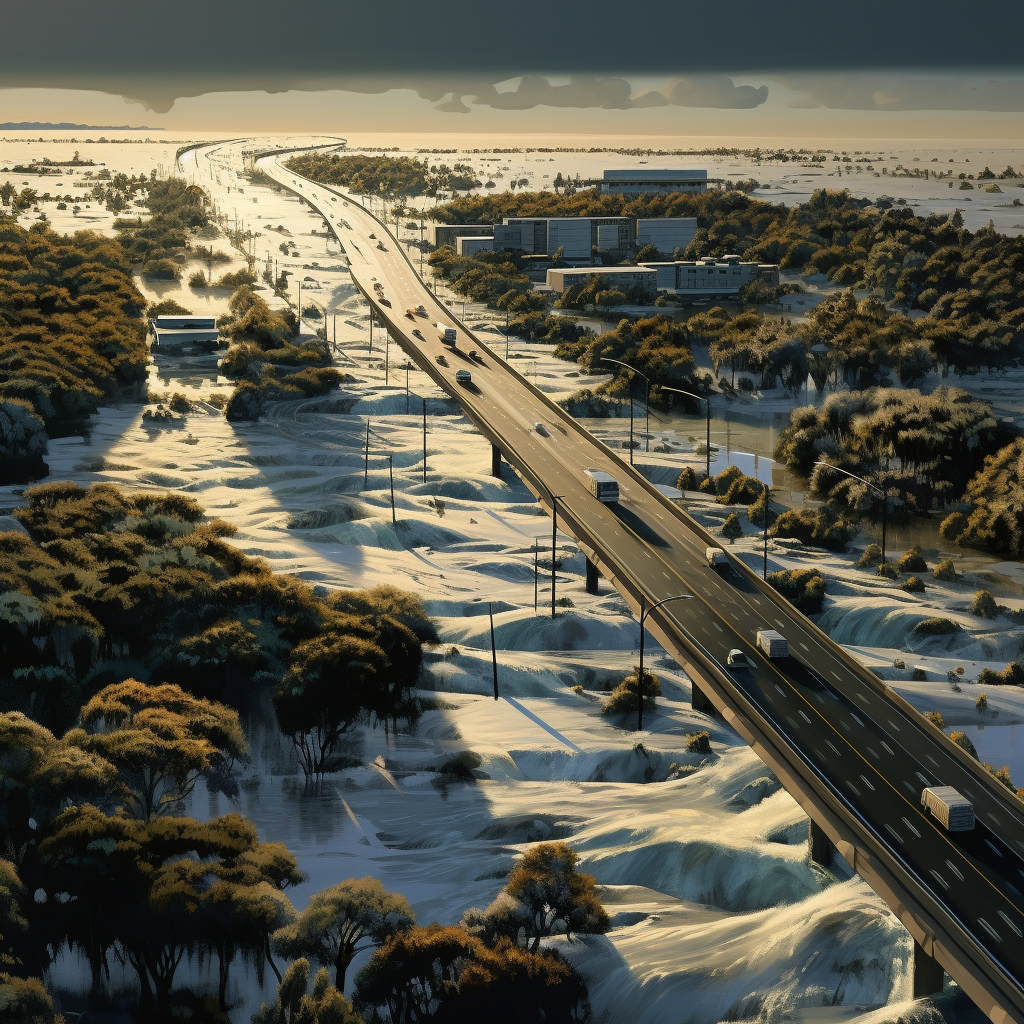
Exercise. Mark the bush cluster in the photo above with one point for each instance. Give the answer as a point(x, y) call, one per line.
point(803, 588)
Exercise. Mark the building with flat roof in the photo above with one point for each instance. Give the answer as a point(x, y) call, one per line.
point(646, 180)
point(470, 245)
point(665, 233)
point(577, 237)
point(449, 234)
point(645, 278)
point(185, 329)
point(711, 276)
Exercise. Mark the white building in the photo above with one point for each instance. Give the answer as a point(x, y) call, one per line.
point(618, 277)
point(645, 180)
point(470, 245)
point(723, 276)
point(185, 329)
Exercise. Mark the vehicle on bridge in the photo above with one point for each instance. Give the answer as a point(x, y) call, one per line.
point(417, 333)
point(448, 335)
point(603, 486)
point(737, 659)
point(716, 557)
point(949, 807)
point(463, 377)
point(773, 643)
point(420, 310)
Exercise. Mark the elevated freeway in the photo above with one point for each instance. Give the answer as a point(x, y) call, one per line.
point(852, 752)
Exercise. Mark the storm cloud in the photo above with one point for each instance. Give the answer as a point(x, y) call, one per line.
point(156, 53)
point(924, 93)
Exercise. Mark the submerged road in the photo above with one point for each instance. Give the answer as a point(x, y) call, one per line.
point(850, 750)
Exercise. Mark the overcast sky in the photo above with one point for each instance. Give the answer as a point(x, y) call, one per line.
point(898, 68)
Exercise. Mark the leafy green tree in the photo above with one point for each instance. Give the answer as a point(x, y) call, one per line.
point(326, 1005)
point(161, 739)
point(330, 685)
point(984, 604)
point(731, 528)
point(625, 697)
point(342, 921)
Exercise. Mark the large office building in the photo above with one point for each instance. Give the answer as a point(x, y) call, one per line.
point(577, 237)
point(449, 234)
point(621, 278)
point(722, 276)
point(666, 234)
point(646, 181)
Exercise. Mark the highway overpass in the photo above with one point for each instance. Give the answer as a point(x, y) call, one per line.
point(852, 752)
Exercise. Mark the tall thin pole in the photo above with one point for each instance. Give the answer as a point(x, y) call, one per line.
point(407, 396)
point(506, 335)
point(366, 457)
point(536, 579)
point(554, 530)
point(767, 494)
point(387, 357)
point(494, 651)
point(640, 676)
point(707, 443)
point(369, 351)
point(885, 509)
point(631, 419)
point(391, 478)
point(647, 415)
point(424, 440)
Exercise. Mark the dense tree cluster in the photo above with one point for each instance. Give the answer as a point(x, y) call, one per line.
point(90, 824)
point(261, 353)
point(388, 176)
point(900, 441)
point(71, 335)
point(496, 278)
point(176, 211)
point(108, 584)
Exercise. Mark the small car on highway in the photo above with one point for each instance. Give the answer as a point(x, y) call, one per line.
point(440, 360)
point(737, 659)
point(463, 377)
point(417, 333)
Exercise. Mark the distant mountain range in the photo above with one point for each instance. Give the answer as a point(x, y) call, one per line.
point(44, 126)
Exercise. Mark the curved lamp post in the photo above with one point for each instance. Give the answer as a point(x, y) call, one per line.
point(647, 402)
point(700, 398)
point(644, 612)
point(877, 490)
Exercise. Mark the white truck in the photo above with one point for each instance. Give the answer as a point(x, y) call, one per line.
point(447, 334)
point(953, 810)
point(773, 643)
point(603, 486)
point(716, 557)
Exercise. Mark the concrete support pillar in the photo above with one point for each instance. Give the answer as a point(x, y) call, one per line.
point(701, 702)
point(928, 974)
point(822, 849)
point(592, 577)
point(495, 461)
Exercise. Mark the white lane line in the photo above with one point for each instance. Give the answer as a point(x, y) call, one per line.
point(984, 924)
point(938, 878)
point(1010, 924)
point(894, 833)
point(952, 867)
point(867, 783)
point(911, 827)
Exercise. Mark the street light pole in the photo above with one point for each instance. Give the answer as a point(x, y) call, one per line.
point(767, 495)
point(644, 612)
point(707, 442)
point(554, 531)
point(647, 410)
point(877, 490)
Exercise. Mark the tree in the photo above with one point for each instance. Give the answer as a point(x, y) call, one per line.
point(326, 1005)
point(731, 528)
point(161, 739)
point(329, 686)
point(984, 604)
point(625, 697)
point(342, 921)
point(553, 897)
point(415, 974)
point(23, 442)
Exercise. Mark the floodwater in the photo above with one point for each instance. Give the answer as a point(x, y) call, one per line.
point(999, 746)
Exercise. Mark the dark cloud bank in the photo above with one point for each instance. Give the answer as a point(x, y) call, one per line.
point(156, 53)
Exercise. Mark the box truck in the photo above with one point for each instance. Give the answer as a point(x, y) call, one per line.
point(953, 810)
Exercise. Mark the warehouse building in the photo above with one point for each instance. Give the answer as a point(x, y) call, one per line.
point(710, 276)
point(645, 278)
point(647, 181)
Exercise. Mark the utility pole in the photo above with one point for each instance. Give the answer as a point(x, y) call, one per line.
point(424, 440)
point(554, 532)
point(536, 587)
point(391, 478)
point(366, 457)
point(494, 651)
